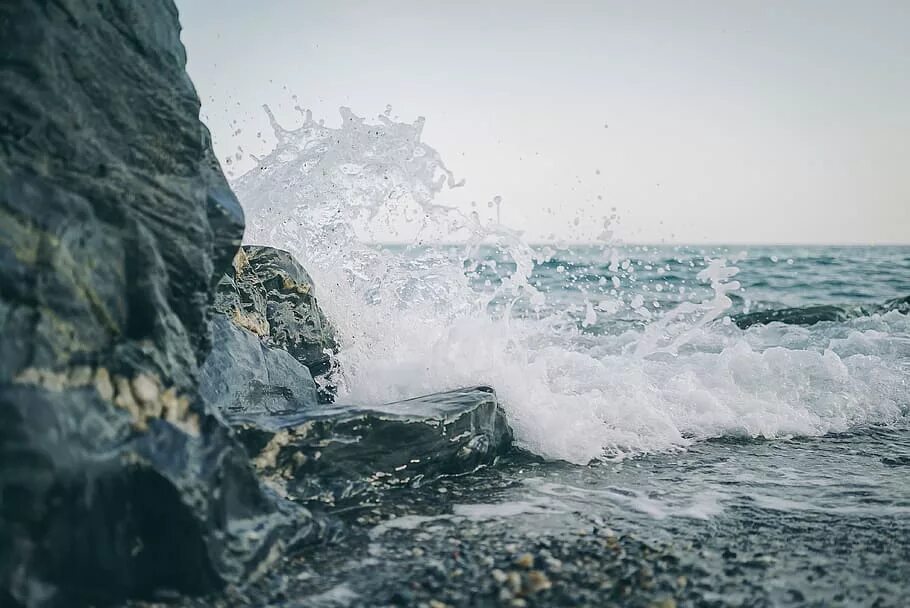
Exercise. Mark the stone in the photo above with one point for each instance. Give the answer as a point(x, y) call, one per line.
point(268, 293)
point(808, 315)
point(538, 581)
point(136, 460)
point(243, 375)
point(525, 560)
point(341, 454)
point(901, 305)
point(116, 224)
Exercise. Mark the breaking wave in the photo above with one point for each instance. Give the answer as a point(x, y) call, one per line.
point(600, 351)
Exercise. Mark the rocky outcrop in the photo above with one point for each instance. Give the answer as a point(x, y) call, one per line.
point(268, 293)
point(115, 226)
point(901, 305)
point(810, 315)
point(135, 459)
point(338, 454)
point(270, 335)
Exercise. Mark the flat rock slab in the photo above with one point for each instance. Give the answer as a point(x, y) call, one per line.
point(339, 454)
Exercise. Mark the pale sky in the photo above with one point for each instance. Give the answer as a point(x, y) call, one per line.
point(722, 122)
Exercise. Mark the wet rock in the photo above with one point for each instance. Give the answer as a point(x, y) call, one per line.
point(244, 376)
point(537, 581)
point(115, 226)
point(808, 315)
point(901, 305)
point(268, 293)
point(341, 453)
point(525, 560)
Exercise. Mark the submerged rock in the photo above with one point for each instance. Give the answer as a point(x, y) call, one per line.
point(340, 453)
point(810, 315)
point(269, 293)
point(901, 305)
point(115, 225)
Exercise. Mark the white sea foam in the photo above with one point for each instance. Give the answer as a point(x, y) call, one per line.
point(410, 321)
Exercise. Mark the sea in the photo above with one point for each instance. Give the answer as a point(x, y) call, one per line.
point(774, 458)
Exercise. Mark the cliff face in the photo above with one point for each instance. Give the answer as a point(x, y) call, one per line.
point(115, 225)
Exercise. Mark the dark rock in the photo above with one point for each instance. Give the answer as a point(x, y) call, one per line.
point(809, 315)
point(270, 294)
point(244, 376)
point(115, 225)
point(118, 477)
point(901, 305)
point(341, 453)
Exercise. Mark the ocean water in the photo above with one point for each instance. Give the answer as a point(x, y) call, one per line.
point(597, 352)
point(780, 449)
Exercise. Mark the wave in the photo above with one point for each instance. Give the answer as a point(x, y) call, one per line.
point(424, 318)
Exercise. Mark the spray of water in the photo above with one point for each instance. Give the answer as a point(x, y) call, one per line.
point(420, 318)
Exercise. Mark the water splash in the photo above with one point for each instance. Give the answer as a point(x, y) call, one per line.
point(678, 326)
point(611, 376)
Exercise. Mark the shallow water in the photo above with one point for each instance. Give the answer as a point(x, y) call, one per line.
point(820, 521)
point(773, 459)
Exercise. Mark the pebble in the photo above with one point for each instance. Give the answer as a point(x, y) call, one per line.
point(553, 564)
point(525, 560)
point(538, 581)
point(513, 581)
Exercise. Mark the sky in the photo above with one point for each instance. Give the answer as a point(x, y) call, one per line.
point(730, 122)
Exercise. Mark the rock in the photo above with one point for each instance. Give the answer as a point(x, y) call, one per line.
point(268, 293)
point(525, 560)
point(244, 376)
point(901, 305)
point(115, 226)
point(136, 461)
point(341, 453)
point(809, 315)
point(537, 582)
